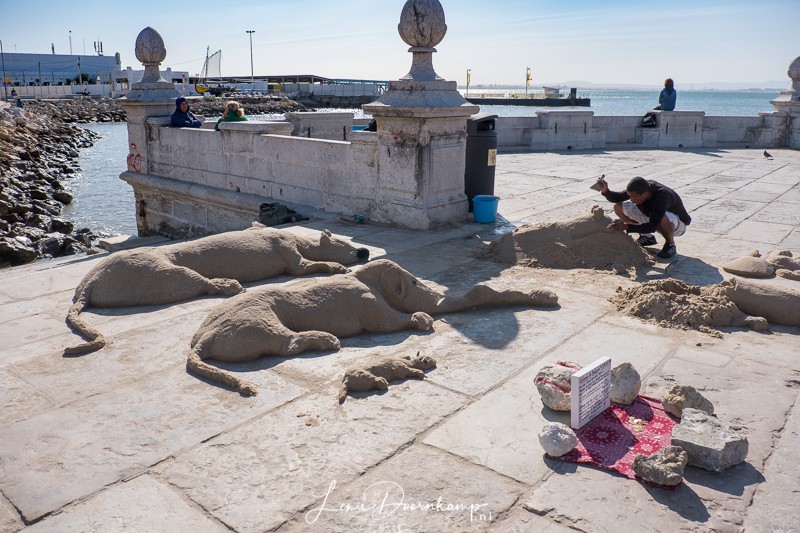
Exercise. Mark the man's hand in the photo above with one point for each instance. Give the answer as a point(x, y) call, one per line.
point(618, 225)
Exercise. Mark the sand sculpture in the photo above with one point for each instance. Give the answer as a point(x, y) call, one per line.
point(583, 242)
point(378, 375)
point(213, 265)
point(779, 262)
point(739, 303)
point(312, 314)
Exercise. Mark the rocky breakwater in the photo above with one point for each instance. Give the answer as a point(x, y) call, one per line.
point(36, 153)
point(215, 107)
point(81, 111)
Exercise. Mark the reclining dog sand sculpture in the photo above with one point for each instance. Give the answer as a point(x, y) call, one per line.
point(214, 265)
point(376, 376)
point(312, 314)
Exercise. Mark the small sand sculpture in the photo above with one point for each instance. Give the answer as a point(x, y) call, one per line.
point(779, 262)
point(378, 375)
point(311, 314)
point(583, 242)
point(214, 265)
point(673, 304)
point(785, 264)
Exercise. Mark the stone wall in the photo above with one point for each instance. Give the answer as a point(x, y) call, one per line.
point(201, 181)
point(568, 130)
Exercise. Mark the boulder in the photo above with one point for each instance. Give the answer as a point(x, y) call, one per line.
point(710, 443)
point(557, 438)
point(680, 397)
point(625, 384)
point(664, 467)
point(15, 251)
point(554, 385)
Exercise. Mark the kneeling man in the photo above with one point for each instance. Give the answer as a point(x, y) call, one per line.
point(647, 206)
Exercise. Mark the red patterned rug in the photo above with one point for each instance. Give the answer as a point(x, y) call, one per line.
point(612, 439)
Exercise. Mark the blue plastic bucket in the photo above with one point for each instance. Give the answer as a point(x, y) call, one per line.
point(485, 208)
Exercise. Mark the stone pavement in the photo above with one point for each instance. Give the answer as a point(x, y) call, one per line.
point(124, 439)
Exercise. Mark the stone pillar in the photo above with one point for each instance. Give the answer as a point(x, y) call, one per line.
point(153, 96)
point(787, 110)
point(422, 123)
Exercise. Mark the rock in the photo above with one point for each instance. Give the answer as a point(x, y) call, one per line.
point(557, 439)
point(680, 397)
point(554, 385)
point(63, 196)
point(625, 384)
point(710, 443)
point(664, 467)
point(15, 252)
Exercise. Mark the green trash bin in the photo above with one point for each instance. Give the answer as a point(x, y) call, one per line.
point(481, 156)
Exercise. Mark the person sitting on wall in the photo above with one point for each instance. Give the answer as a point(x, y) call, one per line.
point(233, 113)
point(668, 96)
point(647, 206)
point(182, 117)
point(13, 93)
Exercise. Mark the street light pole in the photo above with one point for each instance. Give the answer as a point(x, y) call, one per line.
point(251, 32)
point(527, 79)
point(70, 42)
point(3, 56)
point(469, 70)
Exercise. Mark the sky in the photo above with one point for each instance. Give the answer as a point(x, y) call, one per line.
point(602, 42)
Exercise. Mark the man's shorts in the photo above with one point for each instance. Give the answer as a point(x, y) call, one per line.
point(632, 211)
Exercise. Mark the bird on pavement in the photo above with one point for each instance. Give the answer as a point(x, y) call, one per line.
point(767, 155)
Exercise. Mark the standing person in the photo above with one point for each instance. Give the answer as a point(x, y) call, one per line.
point(182, 117)
point(233, 113)
point(647, 206)
point(666, 100)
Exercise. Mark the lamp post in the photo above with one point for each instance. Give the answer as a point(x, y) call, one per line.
point(469, 70)
point(251, 32)
point(527, 79)
point(70, 42)
point(3, 56)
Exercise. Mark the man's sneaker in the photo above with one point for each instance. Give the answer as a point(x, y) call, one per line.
point(668, 251)
point(646, 240)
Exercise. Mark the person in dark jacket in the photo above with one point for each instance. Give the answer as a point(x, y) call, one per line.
point(182, 117)
point(647, 206)
point(668, 96)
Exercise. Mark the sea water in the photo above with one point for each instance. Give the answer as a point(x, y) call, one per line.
point(105, 204)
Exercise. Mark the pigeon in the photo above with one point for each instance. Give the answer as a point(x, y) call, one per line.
point(767, 155)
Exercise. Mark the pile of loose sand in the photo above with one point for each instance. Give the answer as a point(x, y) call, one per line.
point(673, 304)
point(583, 242)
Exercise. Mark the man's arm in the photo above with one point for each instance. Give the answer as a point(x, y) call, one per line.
point(612, 196)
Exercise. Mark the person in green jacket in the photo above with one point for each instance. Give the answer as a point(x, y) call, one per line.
point(233, 113)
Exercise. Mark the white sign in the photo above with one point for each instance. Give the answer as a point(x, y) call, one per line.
point(591, 392)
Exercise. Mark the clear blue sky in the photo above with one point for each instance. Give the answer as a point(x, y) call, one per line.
point(599, 41)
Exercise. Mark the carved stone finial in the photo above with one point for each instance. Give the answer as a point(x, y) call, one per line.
point(422, 27)
point(794, 74)
point(151, 52)
point(422, 23)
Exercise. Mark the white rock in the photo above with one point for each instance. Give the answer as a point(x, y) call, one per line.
point(711, 444)
point(625, 384)
point(557, 439)
point(680, 397)
point(553, 383)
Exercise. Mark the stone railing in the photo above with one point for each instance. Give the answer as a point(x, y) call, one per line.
point(579, 130)
point(201, 181)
